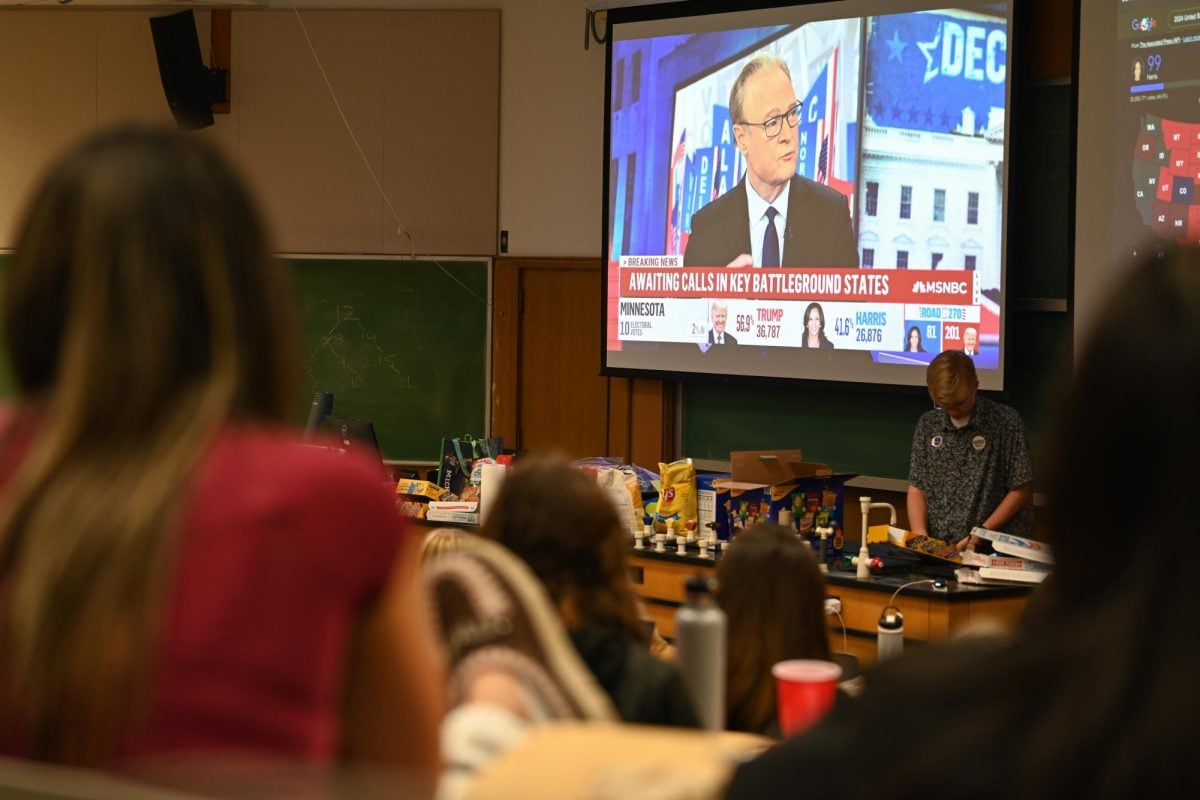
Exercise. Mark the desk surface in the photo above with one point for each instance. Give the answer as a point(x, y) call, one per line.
point(883, 583)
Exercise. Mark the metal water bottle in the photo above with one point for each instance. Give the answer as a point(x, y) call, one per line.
point(700, 635)
point(891, 634)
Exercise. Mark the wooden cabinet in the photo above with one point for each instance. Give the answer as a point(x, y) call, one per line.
point(929, 615)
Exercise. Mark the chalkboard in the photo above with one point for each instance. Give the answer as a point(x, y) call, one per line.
point(866, 431)
point(401, 343)
point(869, 431)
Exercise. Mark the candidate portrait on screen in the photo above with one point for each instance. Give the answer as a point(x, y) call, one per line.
point(773, 217)
point(720, 315)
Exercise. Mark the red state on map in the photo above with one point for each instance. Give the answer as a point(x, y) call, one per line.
point(1177, 133)
point(1163, 190)
point(1180, 160)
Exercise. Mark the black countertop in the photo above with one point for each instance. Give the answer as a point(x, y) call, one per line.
point(885, 582)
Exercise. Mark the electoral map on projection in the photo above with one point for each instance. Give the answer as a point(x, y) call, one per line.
point(1166, 177)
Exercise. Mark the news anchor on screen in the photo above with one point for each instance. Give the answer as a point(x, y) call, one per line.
point(772, 217)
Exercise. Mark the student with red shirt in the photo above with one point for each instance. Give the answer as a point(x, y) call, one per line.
point(178, 574)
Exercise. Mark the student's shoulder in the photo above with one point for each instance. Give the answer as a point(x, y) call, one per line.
point(723, 205)
point(1000, 414)
point(276, 457)
point(812, 191)
point(930, 419)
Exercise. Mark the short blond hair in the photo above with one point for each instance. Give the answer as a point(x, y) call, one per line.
point(951, 377)
point(440, 541)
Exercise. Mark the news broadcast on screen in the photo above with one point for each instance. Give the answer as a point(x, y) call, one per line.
point(844, 222)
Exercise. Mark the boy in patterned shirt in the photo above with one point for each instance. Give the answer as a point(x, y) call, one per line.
point(970, 461)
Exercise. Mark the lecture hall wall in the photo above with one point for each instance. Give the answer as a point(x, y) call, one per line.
point(474, 122)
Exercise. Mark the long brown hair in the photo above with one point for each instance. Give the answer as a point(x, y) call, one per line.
point(560, 523)
point(774, 600)
point(142, 311)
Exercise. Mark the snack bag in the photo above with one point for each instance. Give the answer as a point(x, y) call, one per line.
point(616, 483)
point(677, 498)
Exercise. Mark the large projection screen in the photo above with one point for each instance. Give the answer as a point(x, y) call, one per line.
point(892, 238)
point(1138, 145)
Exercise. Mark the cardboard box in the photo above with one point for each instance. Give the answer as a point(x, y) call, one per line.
point(765, 482)
point(413, 497)
point(706, 502)
point(770, 466)
point(739, 505)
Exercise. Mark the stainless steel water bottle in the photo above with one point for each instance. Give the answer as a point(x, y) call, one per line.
point(700, 636)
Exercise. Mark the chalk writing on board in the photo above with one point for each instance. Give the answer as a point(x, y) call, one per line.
point(346, 350)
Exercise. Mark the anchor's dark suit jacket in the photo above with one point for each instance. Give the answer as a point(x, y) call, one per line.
point(818, 232)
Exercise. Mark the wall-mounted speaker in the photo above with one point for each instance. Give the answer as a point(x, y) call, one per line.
point(190, 86)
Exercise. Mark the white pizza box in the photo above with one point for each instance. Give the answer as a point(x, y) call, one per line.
point(1017, 546)
point(972, 559)
point(1013, 575)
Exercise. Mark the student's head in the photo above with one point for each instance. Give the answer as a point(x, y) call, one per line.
point(720, 313)
point(774, 598)
point(142, 287)
point(765, 112)
point(440, 541)
point(914, 340)
point(559, 521)
point(971, 339)
point(814, 320)
point(141, 311)
point(1132, 403)
point(953, 384)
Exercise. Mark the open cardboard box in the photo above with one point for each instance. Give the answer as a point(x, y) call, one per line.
point(770, 467)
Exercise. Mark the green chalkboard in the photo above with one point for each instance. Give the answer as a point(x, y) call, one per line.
point(869, 431)
point(866, 431)
point(401, 343)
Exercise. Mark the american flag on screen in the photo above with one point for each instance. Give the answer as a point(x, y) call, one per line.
point(674, 202)
point(823, 156)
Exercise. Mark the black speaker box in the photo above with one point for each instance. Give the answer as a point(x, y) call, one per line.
point(187, 83)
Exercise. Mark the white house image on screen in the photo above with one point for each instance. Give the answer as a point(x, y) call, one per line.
point(933, 200)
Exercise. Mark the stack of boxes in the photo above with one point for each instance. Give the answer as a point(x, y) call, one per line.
point(764, 483)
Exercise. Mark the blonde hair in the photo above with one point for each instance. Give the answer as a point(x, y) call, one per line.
point(951, 377)
point(142, 311)
point(440, 541)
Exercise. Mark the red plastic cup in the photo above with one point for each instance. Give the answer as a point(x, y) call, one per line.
point(805, 689)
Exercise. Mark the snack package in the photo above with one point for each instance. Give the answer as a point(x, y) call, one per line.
point(413, 496)
point(645, 478)
point(622, 489)
point(677, 497)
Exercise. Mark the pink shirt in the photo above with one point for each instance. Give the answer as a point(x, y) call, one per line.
point(282, 550)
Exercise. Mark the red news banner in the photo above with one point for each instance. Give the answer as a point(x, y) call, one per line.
point(854, 308)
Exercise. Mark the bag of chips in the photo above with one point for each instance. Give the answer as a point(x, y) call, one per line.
point(677, 495)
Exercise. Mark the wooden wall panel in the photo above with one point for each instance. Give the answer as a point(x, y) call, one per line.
point(504, 350)
point(560, 399)
point(562, 402)
point(1049, 49)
